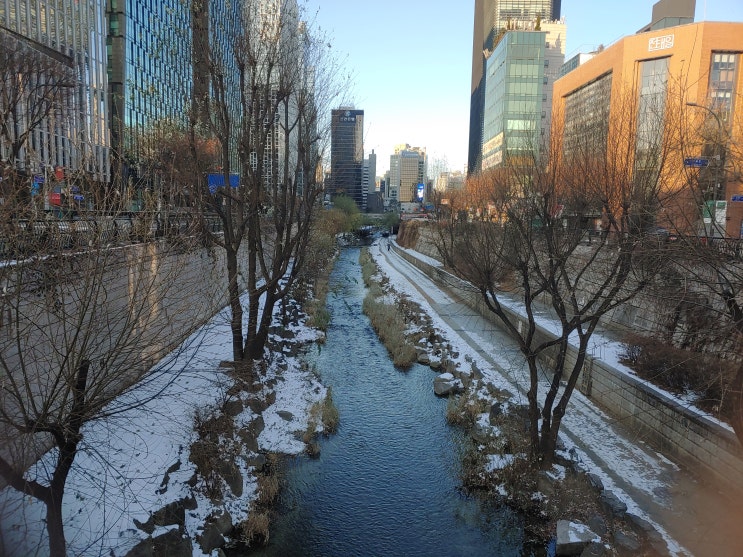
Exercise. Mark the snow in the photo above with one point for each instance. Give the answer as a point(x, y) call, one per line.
point(118, 475)
point(578, 532)
point(584, 425)
point(498, 461)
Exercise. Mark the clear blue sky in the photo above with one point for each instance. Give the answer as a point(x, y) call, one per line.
point(411, 61)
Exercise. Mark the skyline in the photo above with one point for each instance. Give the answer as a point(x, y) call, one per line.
point(411, 62)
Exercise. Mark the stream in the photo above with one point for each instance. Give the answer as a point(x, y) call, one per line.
point(387, 483)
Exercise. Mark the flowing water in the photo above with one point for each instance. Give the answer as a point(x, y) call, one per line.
point(387, 482)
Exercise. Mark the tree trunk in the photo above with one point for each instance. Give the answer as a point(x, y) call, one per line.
point(532, 395)
point(67, 445)
point(255, 343)
point(55, 527)
point(236, 320)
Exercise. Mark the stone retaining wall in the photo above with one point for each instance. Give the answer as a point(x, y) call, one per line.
point(701, 444)
point(187, 289)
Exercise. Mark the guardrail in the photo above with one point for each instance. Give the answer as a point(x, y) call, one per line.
point(25, 236)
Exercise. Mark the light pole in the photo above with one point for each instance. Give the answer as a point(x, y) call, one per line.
point(713, 229)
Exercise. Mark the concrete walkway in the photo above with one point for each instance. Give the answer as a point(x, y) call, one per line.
point(694, 519)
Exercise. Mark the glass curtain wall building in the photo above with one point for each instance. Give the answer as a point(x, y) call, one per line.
point(154, 77)
point(492, 18)
point(62, 37)
point(347, 154)
point(149, 66)
point(513, 97)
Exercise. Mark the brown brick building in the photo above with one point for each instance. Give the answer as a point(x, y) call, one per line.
point(681, 88)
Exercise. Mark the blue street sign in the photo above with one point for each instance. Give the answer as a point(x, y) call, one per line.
point(217, 181)
point(698, 163)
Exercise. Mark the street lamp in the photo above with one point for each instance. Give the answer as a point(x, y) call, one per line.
point(718, 147)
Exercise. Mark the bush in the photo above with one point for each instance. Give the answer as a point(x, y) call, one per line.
point(683, 371)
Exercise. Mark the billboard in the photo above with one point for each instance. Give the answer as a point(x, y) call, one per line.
point(217, 181)
point(421, 191)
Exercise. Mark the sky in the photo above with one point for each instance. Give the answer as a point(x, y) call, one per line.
point(411, 62)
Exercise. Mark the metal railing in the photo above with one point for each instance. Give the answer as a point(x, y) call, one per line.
point(20, 237)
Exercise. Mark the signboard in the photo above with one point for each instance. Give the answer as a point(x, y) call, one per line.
point(697, 163)
point(421, 189)
point(37, 183)
point(660, 43)
point(737, 198)
point(217, 181)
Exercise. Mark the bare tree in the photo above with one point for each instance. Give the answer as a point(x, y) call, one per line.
point(534, 245)
point(35, 84)
point(286, 83)
point(709, 250)
point(82, 320)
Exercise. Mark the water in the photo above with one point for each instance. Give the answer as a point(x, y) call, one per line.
point(387, 482)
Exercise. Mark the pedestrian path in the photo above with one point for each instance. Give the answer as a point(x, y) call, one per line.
point(694, 519)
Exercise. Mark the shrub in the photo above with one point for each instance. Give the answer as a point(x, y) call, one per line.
point(682, 371)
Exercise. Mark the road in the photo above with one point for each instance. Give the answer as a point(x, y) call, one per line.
point(693, 518)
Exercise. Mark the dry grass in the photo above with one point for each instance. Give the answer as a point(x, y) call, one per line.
point(269, 487)
point(329, 414)
point(255, 529)
point(368, 267)
point(324, 412)
point(209, 451)
point(389, 323)
point(463, 411)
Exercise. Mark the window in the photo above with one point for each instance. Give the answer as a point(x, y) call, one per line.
point(651, 112)
point(722, 78)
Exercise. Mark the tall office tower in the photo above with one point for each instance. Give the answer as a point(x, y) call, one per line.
point(492, 17)
point(372, 174)
point(154, 77)
point(59, 46)
point(347, 154)
point(408, 168)
point(520, 73)
point(369, 180)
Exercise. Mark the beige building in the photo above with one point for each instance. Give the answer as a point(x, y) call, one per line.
point(408, 168)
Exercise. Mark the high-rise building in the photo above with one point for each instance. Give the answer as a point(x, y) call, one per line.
point(65, 40)
point(492, 18)
point(371, 183)
point(520, 73)
point(347, 154)
point(656, 74)
point(408, 170)
point(158, 70)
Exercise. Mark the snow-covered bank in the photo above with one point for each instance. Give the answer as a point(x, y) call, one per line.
point(618, 461)
point(137, 462)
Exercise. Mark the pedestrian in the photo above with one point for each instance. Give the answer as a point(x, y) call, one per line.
point(388, 245)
